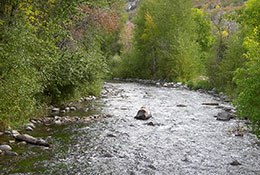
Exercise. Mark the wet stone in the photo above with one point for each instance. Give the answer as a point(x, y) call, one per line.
point(152, 167)
point(108, 155)
point(235, 163)
point(63, 111)
point(27, 138)
point(57, 122)
point(223, 116)
point(14, 133)
point(111, 135)
point(7, 132)
point(227, 109)
point(143, 114)
point(10, 153)
point(73, 108)
point(150, 124)
point(55, 110)
point(28, 128)
point(33, 121)
point(5, 148)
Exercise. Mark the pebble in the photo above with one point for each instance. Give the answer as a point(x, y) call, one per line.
point(235, 163)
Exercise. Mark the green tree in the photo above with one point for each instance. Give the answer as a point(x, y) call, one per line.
point(166, 45)
point(247, 77)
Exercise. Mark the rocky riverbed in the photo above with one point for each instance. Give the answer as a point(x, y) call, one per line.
point(189, 133)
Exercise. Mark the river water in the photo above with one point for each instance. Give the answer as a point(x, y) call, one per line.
point(182, 140)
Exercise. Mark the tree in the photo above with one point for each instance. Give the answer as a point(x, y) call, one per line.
point(247, 77)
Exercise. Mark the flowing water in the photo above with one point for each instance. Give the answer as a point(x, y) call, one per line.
point(181, 141)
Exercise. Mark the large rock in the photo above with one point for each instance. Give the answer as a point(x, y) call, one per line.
point(223, 116)
point(32, 140)
point(143, 114)
point(27, 138)
point(5, 148)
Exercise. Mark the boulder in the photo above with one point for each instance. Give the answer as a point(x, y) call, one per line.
point(223, 116)
point(32, 140)
point(5, 148)
point(143, 114)
point(27, 138)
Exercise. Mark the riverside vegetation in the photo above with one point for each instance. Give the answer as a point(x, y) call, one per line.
point(52, 51)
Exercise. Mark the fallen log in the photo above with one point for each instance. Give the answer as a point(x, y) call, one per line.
point(210, 104)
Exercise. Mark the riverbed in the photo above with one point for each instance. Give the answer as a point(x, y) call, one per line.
point(186, 140)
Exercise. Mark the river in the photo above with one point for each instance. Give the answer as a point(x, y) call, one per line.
point(179, 141)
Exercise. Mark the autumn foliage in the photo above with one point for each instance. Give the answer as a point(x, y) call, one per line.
point(106, 19)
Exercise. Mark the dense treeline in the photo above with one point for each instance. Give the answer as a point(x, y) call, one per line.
point(171, 41)
point(219, 47)
point(52, 51)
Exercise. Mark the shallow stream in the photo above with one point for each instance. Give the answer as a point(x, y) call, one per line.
point(180, 140)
